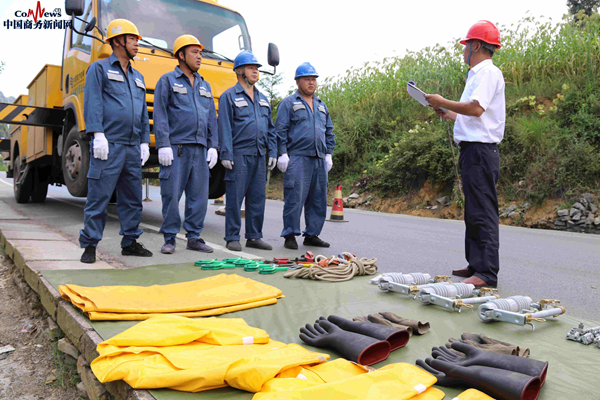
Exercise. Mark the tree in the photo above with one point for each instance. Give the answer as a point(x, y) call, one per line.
point(269, 83)
point(586, 5)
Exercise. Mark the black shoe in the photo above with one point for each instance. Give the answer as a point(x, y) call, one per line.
point(258, 244)
point(198, 245)
point(315, 241)
point(290, 243)
point(89, 255)
point(136, 249)
point(234, 245)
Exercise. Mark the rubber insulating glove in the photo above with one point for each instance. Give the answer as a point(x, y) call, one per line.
point(498, 383)
point(328, 162)
point(419, 327)
point(475, 356)
point(362, 349)
point(100, 146)
point(165, 156)
point(227, 164)
point(282, 162)
point(396, 338)
point(145, 152)
point(272, 163)
point(211, 158)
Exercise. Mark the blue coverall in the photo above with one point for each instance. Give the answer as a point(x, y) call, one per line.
point(306, 136)
point(115, 104)
point(245, 129)
point(186, 120)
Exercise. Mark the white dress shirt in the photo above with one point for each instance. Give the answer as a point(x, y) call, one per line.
point(485, 84)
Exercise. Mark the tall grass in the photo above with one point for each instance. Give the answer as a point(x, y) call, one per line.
point(552, 80)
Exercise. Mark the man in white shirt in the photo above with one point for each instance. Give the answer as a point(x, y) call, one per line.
point(480, 117)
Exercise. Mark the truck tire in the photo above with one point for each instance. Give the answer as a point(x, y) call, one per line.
point(22, 190)
point(76, 163)
point(39, 185)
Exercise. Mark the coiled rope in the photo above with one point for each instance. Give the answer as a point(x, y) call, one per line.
point(335, 269)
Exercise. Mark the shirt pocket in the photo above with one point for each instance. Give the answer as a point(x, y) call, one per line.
point(115, 83)
point(140, 89)
point(241, 109)
point(299, 113)
point(180, 96)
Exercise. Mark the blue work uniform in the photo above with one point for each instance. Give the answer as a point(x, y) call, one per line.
point(245, 130)
point(186, 120)
point(115, 104)
point(306, 136)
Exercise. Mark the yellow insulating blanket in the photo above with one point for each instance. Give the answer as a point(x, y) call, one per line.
point(210, 296)
point(342, 379)
point(196, 354)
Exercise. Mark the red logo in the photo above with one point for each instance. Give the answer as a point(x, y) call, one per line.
point(39, 12)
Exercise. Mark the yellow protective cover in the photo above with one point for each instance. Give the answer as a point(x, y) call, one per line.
point(195, 355)
point(473, 394)
point(395, 381)
point(213, 295)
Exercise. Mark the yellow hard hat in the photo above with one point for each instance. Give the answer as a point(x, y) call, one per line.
point(119, 27)
point(185, 40)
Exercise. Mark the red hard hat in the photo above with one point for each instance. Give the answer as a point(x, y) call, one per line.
point(485, 31)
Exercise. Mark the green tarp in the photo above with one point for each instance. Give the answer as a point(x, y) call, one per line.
point(572, 372)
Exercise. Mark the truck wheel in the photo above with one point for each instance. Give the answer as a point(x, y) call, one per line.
point(23, 189)
point(40, 185)
point(76, 163)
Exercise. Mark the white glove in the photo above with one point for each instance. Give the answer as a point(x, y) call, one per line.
point(328, 162)
point(272, 163)
point(282, 162)
point(211, 158)
point(227, 164)
point(100, 146)
point(165, 156)
point(145, 152)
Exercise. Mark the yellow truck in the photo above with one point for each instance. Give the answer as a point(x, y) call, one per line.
point(48, 144)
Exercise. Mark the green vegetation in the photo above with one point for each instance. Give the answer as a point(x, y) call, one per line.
point(391, 144)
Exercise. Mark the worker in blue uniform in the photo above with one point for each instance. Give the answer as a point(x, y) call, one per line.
point(185, 126)
point(305, 143)
point(245, 130)
point(116, 115)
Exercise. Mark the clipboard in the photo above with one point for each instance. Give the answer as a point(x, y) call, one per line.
point(418, 94)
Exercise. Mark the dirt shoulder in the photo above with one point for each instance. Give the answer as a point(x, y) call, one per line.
point(32, 371)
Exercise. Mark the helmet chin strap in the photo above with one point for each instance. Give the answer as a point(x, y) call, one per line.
point(470, 54)
point(124, 44)
point(302, 90)
point(185, 62)
point(243, 74)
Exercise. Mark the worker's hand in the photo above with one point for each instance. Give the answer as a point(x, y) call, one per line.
point(100, 146)
point(165, 156)
point(211, 158)
point(282, 162)
point(435, 100)
point(328, 162)
point(227, 164)
point(272, 163)
point(145, 150)
point(451, 115)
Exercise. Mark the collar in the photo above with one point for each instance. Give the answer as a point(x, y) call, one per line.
point(239, 89)
point(299, 96)
point(179, 73)
point(482, 64)
point(114, 60)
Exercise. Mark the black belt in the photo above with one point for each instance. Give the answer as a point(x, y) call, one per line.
point(463, 145)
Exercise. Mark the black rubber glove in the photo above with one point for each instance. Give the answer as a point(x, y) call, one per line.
point(475, 356)
point(396, 338)
point(362, 349)
point(498, 383)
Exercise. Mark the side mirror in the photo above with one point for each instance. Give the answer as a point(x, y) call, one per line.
point(74, 7)
point(90, 25)
point(273, 55)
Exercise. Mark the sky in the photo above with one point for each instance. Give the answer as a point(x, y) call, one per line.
point(333, 35)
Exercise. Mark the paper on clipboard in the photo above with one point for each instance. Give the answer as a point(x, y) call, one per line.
point(418, 94)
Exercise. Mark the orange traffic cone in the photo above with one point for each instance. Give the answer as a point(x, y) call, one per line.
point(337, 211)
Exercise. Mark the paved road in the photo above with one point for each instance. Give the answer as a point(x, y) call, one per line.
point(540, 264)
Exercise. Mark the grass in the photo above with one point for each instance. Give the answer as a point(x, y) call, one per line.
point(391, 144)
point(66, 374)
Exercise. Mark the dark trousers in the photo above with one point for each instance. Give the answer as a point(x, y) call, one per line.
point(480, 168)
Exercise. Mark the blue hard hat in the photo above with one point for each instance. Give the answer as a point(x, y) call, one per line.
point(305, 69)
point(246, 57)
